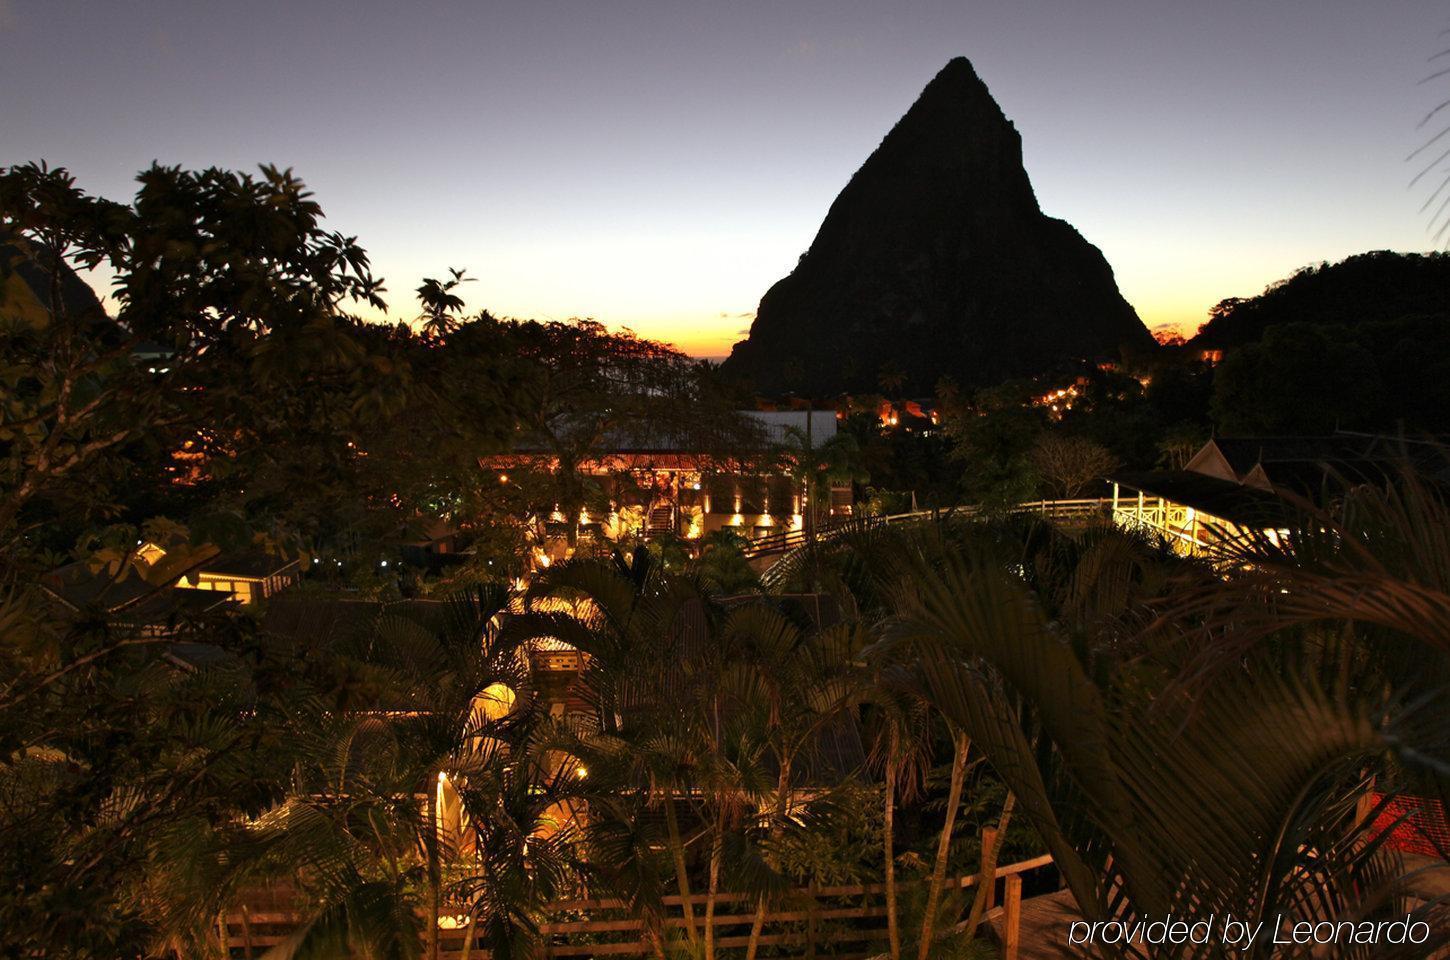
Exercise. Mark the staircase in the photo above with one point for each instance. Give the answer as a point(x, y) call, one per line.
point(661, 521)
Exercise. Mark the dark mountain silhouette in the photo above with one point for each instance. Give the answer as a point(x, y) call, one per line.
point(936, 260)
point(25, 287)
point(1369, 288)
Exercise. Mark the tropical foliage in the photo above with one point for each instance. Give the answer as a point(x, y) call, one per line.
point(1191, 737)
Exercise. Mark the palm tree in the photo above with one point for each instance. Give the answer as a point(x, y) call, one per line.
point(523, 800)
point(899, 721)
point(961, 747)
point(891, 379)
point(357, 833)
point(793, 683)
point(1239, 798)
point(629, 619)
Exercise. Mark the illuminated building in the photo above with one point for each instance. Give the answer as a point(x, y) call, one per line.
point(660, 486)
point(1238, 484)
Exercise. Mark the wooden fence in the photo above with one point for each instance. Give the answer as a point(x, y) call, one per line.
point(842, 922)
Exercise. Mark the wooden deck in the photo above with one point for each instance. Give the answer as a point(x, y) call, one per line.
point(1042, 927)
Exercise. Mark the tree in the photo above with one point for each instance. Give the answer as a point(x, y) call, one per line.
point(441, 305)
point(1302, 378)
point(1369, 287)
point(722, 566)
point(891, 378)
point(113, 758)
point(994, 434)
point(237, 292)
point(629, 617)
point(1067, 465)
point(359, 830)
point(900, 746)
point(1252, 780)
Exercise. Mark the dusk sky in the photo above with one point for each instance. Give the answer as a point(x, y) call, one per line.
point(659, 165)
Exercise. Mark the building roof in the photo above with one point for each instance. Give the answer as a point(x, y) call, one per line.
point(777, 423)
point(753, 429)
point(246, 565)
point(1245, 453)
point(129, 598)
point(1224, 499)
point(1305, 465)
point(80, 587)
point(171, 606)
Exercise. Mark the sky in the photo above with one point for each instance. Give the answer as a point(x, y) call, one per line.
point(658, 165)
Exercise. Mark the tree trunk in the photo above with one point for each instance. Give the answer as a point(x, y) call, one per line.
point(247, 933)
point(717, 852)
point(682, 875)
point(811, 920)
point(782, 793)
point(888, 834)
point(432, 810)
point(989, 866)
point(468, 934)
point(756, 925)
point(944, 845)
point(810, 478)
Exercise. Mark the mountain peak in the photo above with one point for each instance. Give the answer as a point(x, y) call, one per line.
point(935, 260)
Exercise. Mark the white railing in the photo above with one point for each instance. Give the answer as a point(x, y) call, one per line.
point(789, 540)
point(786, 545)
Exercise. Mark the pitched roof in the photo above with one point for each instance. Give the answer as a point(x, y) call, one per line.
point(170, 606)
point(246, 564)
point(81, 588)
point(1244, 453)
point(128, 598)
point(1306, 465)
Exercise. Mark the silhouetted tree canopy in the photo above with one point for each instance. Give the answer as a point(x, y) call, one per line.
point(1366, 288)
point(1300, 379)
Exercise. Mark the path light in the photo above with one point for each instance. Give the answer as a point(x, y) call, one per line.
point(454, 923)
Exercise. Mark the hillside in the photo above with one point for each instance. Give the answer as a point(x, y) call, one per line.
point(1368, 288)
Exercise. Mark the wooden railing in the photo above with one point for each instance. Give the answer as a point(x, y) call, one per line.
point(853, 916)
point(784, 542)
